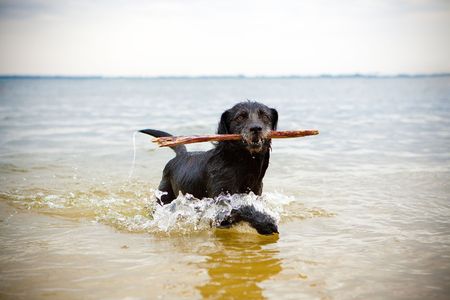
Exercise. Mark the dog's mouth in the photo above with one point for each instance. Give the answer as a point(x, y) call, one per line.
point(254, 143)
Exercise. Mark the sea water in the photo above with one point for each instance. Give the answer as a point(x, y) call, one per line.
point(363, 208)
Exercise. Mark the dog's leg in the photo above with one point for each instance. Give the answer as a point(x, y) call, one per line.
point(166, 186)
point(263, 223)
point(258, 189)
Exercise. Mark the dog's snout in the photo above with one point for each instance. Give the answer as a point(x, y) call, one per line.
point(256, 129)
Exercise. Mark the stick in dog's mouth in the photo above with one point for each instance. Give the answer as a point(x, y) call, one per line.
point(169, 141)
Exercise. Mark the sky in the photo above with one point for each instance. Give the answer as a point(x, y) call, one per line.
point(209, 37)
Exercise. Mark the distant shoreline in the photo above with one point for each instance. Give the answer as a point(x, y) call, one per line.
point(323, 76)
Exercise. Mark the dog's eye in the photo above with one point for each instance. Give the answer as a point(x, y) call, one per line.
point(241, 117)
point(264, 116)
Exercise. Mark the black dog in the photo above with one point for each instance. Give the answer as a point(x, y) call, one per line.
point(231, 166)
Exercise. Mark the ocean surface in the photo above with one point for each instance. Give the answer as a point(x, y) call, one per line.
point(363, 208)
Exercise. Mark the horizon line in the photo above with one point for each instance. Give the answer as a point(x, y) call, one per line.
point(236, 76)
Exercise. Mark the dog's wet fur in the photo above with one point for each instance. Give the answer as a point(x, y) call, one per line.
point(232, 167)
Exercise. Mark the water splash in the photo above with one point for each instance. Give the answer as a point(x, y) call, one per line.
point(187, 213)
point(135, 208)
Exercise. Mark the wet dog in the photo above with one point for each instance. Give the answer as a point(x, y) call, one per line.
point(232, 167)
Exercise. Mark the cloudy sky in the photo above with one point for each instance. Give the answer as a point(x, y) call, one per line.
point(208, 37)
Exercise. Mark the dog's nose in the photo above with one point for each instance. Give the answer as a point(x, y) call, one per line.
point(256, 129)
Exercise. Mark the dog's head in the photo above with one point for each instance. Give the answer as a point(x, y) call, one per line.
point(253, 121)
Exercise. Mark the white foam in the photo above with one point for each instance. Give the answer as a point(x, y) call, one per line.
point(187, 213)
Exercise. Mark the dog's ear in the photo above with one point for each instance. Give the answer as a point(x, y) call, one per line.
point(223, 124)
point(274, 118)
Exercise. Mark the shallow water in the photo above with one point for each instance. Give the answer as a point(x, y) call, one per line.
point(363, 208)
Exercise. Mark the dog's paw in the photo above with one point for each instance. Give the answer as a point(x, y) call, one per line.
point(262, 222)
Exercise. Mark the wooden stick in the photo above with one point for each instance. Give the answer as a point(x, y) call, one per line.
point(168, 141)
